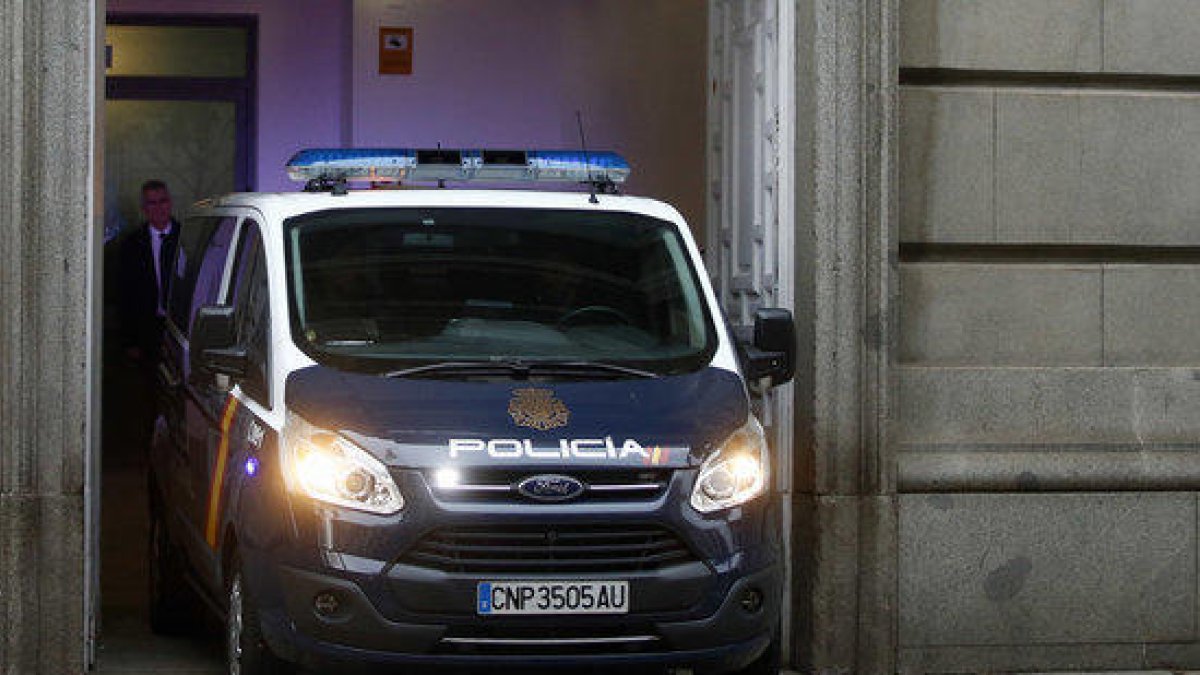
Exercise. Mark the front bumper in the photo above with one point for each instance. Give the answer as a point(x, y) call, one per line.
point(687, 613)
point(357, 635)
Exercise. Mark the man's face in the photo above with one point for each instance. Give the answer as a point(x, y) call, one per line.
point(156, 207)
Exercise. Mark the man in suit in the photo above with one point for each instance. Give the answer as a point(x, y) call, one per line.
point(145, 268)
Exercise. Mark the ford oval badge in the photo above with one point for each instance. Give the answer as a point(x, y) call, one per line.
point(550, 488)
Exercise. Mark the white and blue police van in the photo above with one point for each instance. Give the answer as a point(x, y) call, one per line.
point(451, 426)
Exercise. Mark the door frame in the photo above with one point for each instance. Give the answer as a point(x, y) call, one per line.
point(241, 91)
point(767, 45)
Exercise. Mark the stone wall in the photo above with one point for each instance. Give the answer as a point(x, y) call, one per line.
point(47, 85)
point(844, 510)
point(1048, 403)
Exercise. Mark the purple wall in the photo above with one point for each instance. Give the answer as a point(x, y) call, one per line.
point(487, 73)
point(498, 73)
point(303, 63)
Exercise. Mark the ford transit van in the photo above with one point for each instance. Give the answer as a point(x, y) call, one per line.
point(460, 426)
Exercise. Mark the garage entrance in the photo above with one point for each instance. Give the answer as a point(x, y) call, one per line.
point(216, 103)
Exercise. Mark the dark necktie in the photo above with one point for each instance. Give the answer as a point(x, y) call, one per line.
point(162, 269)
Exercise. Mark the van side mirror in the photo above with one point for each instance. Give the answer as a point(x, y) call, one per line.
point(772, 353)
point(213, 346)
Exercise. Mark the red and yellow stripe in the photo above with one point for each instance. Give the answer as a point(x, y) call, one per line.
point(218, 475)
point(659, 456)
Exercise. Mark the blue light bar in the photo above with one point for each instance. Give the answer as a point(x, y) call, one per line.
point(378, 165)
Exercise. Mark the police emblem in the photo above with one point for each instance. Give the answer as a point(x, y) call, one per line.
point(538, 409)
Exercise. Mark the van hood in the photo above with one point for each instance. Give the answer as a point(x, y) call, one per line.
point(672, 421)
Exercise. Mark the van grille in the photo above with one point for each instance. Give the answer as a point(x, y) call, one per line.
point(600, 485)
point(509, 639)
point(537, 549)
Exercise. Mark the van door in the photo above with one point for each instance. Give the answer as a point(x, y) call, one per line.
point(198, 278)
point(216, 428)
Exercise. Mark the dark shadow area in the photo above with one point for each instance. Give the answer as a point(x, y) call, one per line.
point(126, 645)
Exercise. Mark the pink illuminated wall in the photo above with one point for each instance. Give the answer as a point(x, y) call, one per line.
point(487, 73)
point(513, 73)
point(303, 73)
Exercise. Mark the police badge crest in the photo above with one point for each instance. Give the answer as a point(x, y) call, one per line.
point(538, 409)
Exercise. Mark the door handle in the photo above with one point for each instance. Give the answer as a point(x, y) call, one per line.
point(167, 376)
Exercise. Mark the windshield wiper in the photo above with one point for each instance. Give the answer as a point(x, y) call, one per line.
point(519, 369)
point(460, 367)
point(591, 366)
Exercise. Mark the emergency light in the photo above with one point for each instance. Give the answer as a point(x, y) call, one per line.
point(321, 167)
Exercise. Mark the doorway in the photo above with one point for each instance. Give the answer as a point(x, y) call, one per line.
point(179, 107)
point(624, 104)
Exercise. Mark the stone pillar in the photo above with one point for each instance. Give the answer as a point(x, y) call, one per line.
point(48, 91)
point(845, 539)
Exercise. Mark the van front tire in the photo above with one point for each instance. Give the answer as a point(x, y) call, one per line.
point(247, 652)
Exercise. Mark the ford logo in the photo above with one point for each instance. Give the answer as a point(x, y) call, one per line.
point(550, 488)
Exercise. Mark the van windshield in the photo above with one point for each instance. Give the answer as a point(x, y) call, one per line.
point(411, 290)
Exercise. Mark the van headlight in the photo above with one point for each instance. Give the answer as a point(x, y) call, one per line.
point(734, 474)
point(331, 468)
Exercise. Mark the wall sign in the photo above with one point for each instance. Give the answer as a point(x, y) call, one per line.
point(395, 50)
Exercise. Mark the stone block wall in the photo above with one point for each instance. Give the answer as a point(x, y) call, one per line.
point(1047, 420)
point(48, 246)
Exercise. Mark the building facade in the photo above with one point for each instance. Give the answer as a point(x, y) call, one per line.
point(1045, 435)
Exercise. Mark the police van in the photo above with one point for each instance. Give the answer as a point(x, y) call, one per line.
point(461, 426)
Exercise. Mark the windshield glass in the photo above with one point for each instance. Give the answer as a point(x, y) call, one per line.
point(378, 290)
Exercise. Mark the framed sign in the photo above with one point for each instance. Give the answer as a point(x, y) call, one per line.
point(396, 50)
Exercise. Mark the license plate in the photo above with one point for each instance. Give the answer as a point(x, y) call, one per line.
point(552, 597)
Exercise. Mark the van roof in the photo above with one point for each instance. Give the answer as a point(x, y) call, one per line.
point(288, 204)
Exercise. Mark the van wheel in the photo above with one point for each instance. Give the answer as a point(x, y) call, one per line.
point(247, 652)
point(172, 601)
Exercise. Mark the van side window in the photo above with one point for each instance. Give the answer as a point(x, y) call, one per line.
point(199, 264)
point(252, 315)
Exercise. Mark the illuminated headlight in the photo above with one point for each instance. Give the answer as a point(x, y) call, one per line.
point(329, 467)
point(735, 473)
